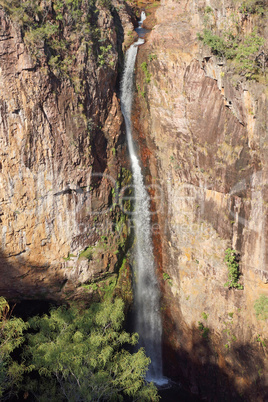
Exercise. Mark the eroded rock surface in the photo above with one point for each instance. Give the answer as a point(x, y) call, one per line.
point(208, 141)
point(61, 155)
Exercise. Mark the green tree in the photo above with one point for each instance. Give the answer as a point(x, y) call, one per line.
point(231, 259)
point(11, 336)
point(79, 356)
point(246, 53)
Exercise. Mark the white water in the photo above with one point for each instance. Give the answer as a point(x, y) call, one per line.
point(143, 17)
point(147, 297)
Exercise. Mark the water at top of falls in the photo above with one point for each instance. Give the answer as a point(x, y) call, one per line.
point(140, 30)
point(146, 290)
point(143, 17)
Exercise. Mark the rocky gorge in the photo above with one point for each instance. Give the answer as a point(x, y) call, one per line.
point(201, 125)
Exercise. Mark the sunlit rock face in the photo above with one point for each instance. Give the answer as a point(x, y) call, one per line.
point(206, 132)
point(61, 152)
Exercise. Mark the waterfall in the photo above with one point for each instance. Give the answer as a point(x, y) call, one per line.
point(143, 17)
point(146, 291)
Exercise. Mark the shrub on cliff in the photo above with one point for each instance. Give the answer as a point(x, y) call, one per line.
point(253, 7)
point(54, 31)
point(246, 51)
point(243, 51)
point(233, 269)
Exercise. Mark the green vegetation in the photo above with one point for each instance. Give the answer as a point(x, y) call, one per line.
point(152, 56)
point(105, 287)
point(55, 33)
point(90, 286)
point(155, 4)
point(116, 241)
point(124, 283)
point(244, 51)
point(261, 341)
point(261, 307)
point(72, 354)
point(204, 330)
point(141, 92)
point(166, 277)
point(208, 10)
point(105, 56)
point(253, 7)
point(69, 257)
point(230, 336)
point(205, 316)
point(144, 68)
point(87, 253)
point(233, 270)
point(11, 337)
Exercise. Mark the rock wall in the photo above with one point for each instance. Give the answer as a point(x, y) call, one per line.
point(206, 129)
point(62, 158)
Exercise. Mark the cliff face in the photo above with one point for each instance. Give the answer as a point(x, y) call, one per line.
point(206, 127)
point(204, 145)
point(61, 145)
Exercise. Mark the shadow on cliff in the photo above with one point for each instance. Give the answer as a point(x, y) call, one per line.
point(234, 374)
point(22, 281)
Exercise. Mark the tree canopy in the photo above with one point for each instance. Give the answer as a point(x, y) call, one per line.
point(11, 337)
point(80, 355)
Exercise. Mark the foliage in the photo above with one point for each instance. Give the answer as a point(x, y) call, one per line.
point(166, 277)
point(252, 7)
point(79, 355)
point(105, 286)
point(11, 337)
point(72, 354)
point(230, 336)
point(108, 287)
point(152, 57)
point(144, 68)
point(233, 269)
point(90, 286)
point(222, 46)
point(105, 55)
point(243, 50)
point(259, 339)
point(87, 253)
point(69, 257)
point(106, 3)
point(204, 330)
point(208, 10)
point(205, 316)
point(53, 30)
point(261, 307)
point(246, 53)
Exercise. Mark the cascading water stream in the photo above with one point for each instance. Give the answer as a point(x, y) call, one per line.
point(143, 17)
point(147, 295)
